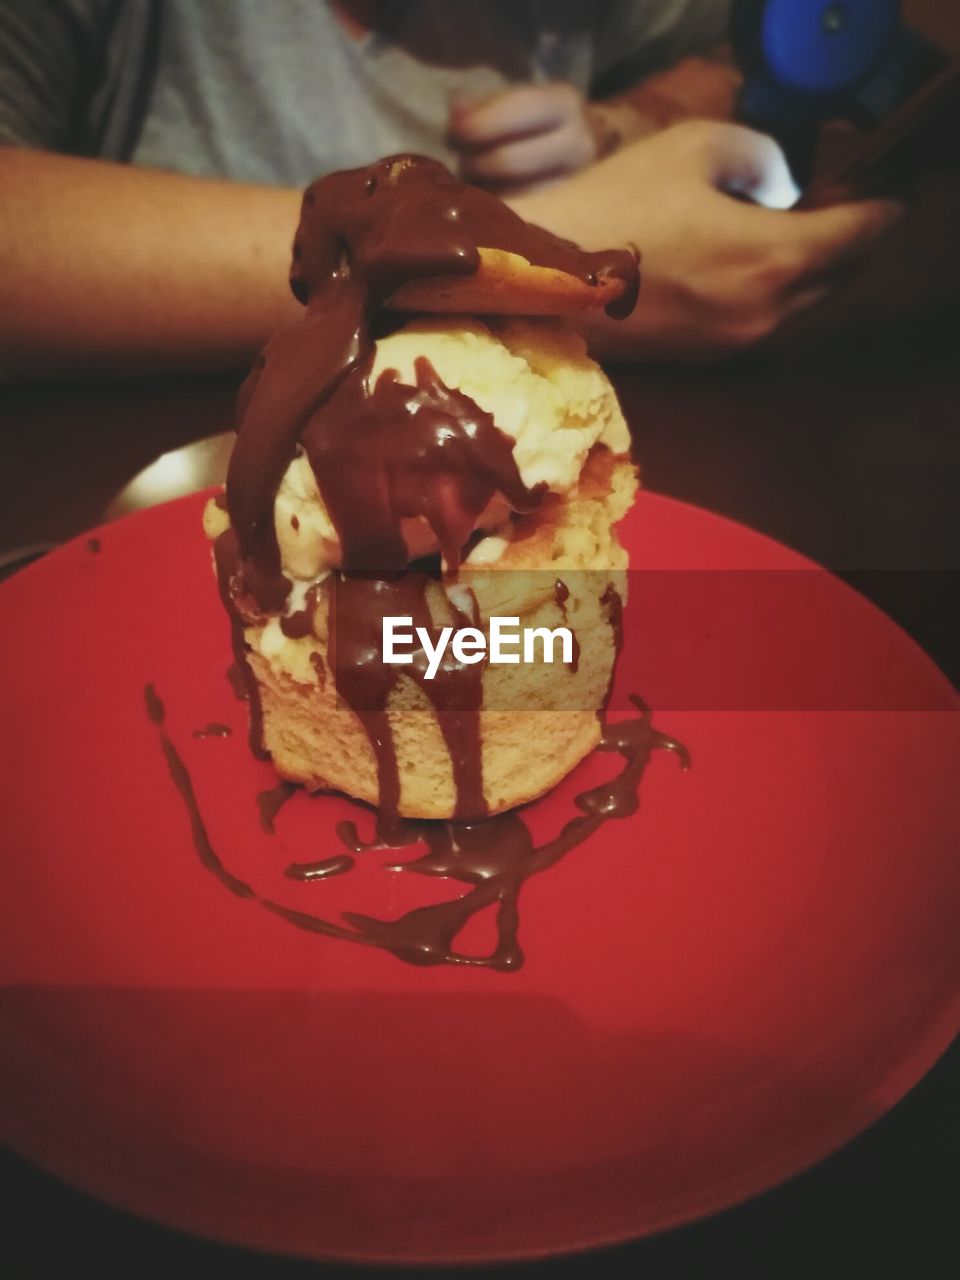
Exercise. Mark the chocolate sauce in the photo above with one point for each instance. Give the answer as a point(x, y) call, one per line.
point(613, 604)
point(561, 594)
point(237, 682)
point(299, 624)
point(358, 605)
point(182, 781)
point(155, 709)
point(497, 855)
point(322, 870)
point(401, 834)
point(363, 233)
point(320, 667)
point(574, 663)
point(271, 802)
point(213, 730)
point(394, 452)
point(407, 217)
point(383, 453)
point(230, 583)
point(494, 856)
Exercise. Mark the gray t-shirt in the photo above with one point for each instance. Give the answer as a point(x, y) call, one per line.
point(285, 90)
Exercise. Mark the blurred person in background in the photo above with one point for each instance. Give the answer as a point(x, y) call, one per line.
point(156, 151)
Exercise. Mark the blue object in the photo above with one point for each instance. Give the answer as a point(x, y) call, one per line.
point(823, 47)
point(804, 61)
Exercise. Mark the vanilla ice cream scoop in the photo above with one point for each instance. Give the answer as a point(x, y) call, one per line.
point(533, 376)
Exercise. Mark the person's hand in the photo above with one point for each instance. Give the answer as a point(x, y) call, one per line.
point(522, 137)
point(717, 274)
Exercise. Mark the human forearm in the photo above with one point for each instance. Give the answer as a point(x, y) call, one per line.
point(108, 267)
point(716, 273)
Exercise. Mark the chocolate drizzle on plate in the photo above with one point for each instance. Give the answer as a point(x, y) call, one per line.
point(382, 453)
point(322, 870)
point(494, 857)
point(271, 802)
point(213, 730)
point(183, 782)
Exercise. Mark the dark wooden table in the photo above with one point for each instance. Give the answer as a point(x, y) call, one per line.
point(843, 443)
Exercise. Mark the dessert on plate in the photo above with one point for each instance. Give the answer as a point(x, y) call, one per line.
point(430, 441)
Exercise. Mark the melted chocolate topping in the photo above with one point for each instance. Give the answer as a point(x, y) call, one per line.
point(399, 452)
point(300, 624)
point(358, 606)
point(561, 594)
point(495, 857)
point(574, 663)
point(614, 606)
point(363, 233)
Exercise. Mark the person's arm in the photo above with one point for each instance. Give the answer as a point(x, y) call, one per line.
point(717, 274)
point(103, 266)
point(108, 267)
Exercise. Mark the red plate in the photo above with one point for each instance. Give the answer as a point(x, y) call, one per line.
point(717, 992)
